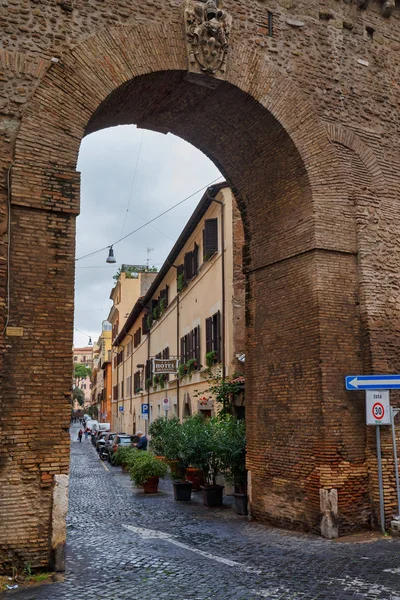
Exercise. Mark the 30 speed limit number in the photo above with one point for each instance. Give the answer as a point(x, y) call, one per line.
point(378, 407)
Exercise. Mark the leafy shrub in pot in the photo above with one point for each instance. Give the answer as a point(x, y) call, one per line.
point(145, 467)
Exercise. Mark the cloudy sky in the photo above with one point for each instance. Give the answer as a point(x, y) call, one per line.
point(148, 172)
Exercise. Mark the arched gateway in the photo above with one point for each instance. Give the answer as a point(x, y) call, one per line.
point(296, 103)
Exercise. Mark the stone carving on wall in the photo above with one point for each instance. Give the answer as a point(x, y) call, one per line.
point(207, 36)
point(387, 6)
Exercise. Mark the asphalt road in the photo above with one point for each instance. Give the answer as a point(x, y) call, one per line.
point(123, 545)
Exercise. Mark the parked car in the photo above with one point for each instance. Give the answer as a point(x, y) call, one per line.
point(121, 439)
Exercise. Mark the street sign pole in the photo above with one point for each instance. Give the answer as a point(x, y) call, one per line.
point(396, 462)
point(380, 478)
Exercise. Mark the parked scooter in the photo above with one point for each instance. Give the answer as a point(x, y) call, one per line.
point(103, 454)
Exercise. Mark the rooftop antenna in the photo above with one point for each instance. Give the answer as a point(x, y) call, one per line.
point(149, 251)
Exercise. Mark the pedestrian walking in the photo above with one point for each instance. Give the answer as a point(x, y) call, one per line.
point(86, 434)
point(80, 433)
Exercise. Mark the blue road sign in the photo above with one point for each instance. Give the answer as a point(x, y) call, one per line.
point(121, 409)
point(145, 409)
point(373, 382)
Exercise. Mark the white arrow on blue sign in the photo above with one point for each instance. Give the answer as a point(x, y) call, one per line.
point(373, 382)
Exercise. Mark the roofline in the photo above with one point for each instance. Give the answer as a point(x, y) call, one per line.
point(187, 231)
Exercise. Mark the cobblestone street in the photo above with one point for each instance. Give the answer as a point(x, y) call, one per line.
point(123, 545)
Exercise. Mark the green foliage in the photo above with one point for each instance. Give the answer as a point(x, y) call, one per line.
point(79, 396)
point(234, 452)
point(155, 314)
point(148, 383)
point(160, 430)
point(81, 371)
point(93, 412)
point(210, 358)
point(181, 371)
point(149, 321)
point(132, 271)
point(162, 306)
point(180, 281)
point(191, 365)
point(146, 465)
point(223, 390)
point(125, 455)
point(217, 447)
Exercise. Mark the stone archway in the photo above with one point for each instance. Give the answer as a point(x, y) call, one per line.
point(303, 326)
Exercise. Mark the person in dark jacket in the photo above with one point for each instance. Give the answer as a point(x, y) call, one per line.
point(80, 435)
point(142, 443)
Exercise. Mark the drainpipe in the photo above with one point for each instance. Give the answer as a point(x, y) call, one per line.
point(223, 279)
point(115, 352)
point(177, 353)
point(147, 425)
point(131, 390)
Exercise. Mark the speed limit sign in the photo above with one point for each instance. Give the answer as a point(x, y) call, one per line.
point(378, 407)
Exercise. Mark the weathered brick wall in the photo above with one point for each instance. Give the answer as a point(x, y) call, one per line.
point(305, 129)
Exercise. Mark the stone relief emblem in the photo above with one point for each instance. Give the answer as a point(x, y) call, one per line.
point(207, 34)
point(387, 6)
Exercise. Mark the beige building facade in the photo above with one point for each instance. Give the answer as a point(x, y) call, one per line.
point(193, 311)
point(101, 355)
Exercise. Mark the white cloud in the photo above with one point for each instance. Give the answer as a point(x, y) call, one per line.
point(169, 169)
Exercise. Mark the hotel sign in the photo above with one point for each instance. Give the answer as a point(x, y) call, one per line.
point(165, 365)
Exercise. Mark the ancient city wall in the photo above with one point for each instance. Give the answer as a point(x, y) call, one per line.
point(302, 120)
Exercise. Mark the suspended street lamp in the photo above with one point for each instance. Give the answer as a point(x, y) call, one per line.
point(111, 257)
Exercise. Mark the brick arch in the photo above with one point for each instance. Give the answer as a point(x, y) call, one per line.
point(276, 154)
point(345, 137)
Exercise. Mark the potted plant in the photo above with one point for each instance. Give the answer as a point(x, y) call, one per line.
point(124, 456)
point(234, 460)
point(205, 451)
point(159, 432)
point(176, 452)
point(146, 470)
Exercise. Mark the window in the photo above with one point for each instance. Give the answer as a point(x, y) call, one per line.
point(180, 278)
point(191, 263)
point(115, 362)
point(210, 238)
point(213, 336)
point(190, 347)
point(115, 392)
point(137, 337)
point(122, 389)
point(75, 359)
point(137, 382)
point(145, 326)
point(148, 371)
point(128, 386)
point(120, 357)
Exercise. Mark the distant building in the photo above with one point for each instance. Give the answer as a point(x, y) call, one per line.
point(194, 311)
point(84, 356)
point(101, 392)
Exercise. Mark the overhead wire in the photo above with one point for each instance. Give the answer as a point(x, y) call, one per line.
point(133, 183)
point(148, 222)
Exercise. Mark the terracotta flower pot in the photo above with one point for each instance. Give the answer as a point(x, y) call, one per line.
point(196, 476)
point(151, 485)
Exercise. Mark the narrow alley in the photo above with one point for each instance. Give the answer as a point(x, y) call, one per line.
point(123, 545)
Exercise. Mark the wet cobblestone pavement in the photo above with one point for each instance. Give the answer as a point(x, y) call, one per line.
point(123, 545)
